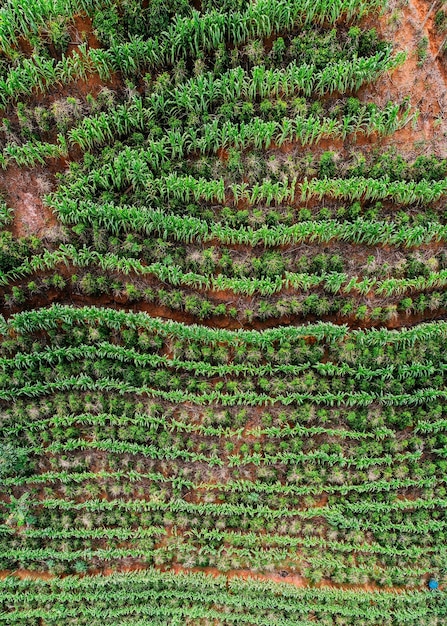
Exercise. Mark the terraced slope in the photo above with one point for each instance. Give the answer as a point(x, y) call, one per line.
point(223, 271)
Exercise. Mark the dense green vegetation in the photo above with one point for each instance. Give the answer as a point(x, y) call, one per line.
point(195, 155)
point(218, 163)
point(197, 599)
point(315, 449)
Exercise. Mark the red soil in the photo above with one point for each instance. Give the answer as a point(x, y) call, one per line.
point(26, 574)
point(23, 192)
point(82, 31)
point(425, 84)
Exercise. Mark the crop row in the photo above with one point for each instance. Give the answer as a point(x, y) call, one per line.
point(198, 307)
point(232, 486)
point(187, 35)
point(194, 596)
point(107, 350)
point(249, 398)
point(186, 228)
point(53, 317)
point(233, 538)
point(333, 282)
point(187, 188)
point(210, 138)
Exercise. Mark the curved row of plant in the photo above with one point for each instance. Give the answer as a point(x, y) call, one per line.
point(185, 36)
point(210, 138)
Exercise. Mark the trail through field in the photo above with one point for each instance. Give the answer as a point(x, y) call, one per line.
point(284, 576)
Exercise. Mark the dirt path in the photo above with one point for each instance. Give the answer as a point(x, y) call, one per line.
point(288, 578)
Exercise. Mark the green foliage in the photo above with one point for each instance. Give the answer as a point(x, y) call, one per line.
point(440, 20)
point(124, 21)
point(13, 252)
point(194, 193)
point(422, 50)
point(225, 6)
point(14, 461)
point(327, 165)
point(58, 33)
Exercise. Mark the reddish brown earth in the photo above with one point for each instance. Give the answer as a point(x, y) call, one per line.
point(23, 192)
point(25, 574)
point(403, 23)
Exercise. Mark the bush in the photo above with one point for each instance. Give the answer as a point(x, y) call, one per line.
point(225, 5)
point(422, 50)
point(369, 43)
point(13, 461)
point(441, 20)
point(429, 167)
point(327, 167)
